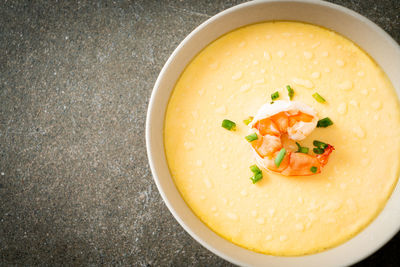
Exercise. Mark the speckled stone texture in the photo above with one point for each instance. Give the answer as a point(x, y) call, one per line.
point(75, 82)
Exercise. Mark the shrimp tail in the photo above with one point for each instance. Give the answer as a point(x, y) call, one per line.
point(323, 158)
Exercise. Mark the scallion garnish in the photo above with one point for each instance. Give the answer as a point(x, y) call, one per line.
point(229, 125)
point(313, 169)
point(257, 174)
point(318, 150)
point(254, 169)
point(319, 98)
point(257, 177)
point(279, 157)
point(275, 95)
point(325, 122)
point(248, 120)
point(319, 144)
point(251, 137)
point(290, 91)
point(301, 149)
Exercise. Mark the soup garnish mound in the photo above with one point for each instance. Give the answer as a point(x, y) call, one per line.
point(295, 120)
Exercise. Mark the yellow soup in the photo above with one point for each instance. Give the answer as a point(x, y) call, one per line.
point(280, 215)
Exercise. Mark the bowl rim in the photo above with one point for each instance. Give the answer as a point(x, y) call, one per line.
point(390, 233)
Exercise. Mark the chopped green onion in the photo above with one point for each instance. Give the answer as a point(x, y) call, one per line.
point(325, 122)
point(248, 120)
point(301, 149)
point(229, 125)
point(290, 91)
point(313, 169)
point(320, 144)
point(275, 95)
point(255, 169)
point(318, 150)
point(298, 146)
point(251, 137)
point(257, 177)
point(319, 98)
point(279, 157)
point(257, 174)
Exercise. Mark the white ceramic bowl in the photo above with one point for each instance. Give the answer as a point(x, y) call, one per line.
point(363, 32)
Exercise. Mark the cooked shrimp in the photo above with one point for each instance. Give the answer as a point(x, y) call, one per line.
point(297, 121)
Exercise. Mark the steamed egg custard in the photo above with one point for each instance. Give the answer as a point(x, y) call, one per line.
point(271, 85)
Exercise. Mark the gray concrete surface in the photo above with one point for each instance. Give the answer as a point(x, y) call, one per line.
point(75, 81)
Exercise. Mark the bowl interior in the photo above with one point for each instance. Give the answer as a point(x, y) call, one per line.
point(363, 32)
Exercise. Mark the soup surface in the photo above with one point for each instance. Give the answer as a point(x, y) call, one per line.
point(283, 215)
